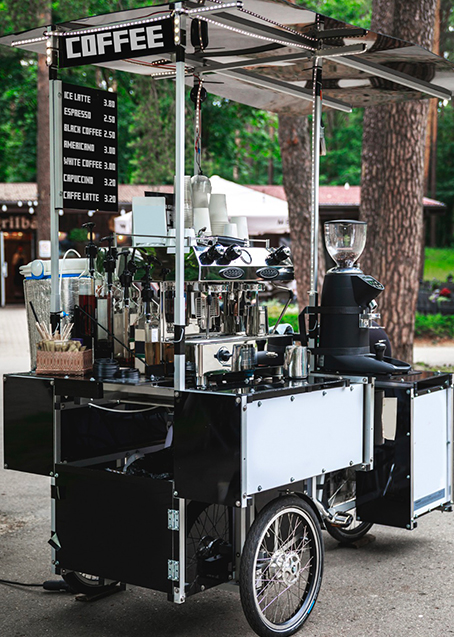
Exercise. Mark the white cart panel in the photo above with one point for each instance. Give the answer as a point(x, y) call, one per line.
point(291, 438)
point(431, 438)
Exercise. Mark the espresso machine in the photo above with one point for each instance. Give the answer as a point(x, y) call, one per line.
point(226, 332)
point(347, 308)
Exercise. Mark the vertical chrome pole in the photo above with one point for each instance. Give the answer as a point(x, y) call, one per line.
point(56, 176)
point(180, 313)
point(316, 127)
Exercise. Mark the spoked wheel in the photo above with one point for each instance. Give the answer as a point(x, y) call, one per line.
point(85, 583)
point(208, 545)
point(281, 567)
point(340, 487)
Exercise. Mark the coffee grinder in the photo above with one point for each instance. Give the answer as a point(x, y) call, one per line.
point(347, 308)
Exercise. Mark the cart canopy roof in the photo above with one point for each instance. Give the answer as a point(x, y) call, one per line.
point(261, 53)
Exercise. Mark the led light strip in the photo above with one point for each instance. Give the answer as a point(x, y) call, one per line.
point(226, 5)
point(256, 35)
point(29, 41)
point(164, 74)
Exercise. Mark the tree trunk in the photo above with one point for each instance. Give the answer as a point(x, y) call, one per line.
point(393, 180)
point(43, 142)
point(294, 141)
point(430, 152)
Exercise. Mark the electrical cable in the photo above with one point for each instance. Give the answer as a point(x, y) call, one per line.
point(49, 585)
point(7, 581)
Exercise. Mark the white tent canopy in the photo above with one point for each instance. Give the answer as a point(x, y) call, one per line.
point(265, 214)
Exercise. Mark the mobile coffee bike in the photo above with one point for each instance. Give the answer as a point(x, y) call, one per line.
point(202, 449)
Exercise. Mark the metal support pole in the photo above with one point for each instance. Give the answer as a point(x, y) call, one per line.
point(56, 177)
point(180, 313)
point(316, 131)
point(316, 126)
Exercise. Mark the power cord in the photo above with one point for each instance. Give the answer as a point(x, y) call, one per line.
point(49, 585)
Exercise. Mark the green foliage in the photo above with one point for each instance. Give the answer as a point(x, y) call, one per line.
point(238, 141)
point(344, 137)
point(152, 131)
point(439, 262)
point(445, 172)
point(291, 315)
point(17, 117)
point(434, 326)
point(355, 12)
point(79, 235)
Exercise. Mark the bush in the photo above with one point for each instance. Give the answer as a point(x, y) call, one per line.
point(434, 326)
point(291, 316)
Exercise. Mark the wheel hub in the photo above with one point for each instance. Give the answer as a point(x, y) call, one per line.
point(285, 566)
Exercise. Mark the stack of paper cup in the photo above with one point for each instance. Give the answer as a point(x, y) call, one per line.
point(241, 222)
point(202, 220)
point(230, 230)
point(188, 211)
point(218, 213)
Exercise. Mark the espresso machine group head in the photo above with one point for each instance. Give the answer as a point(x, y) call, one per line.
point(347, 307)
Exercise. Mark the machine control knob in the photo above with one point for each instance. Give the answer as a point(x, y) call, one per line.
point(233, 252)
point(278, 255)
point(213, 253)
point(380, 348)
point(223, 355)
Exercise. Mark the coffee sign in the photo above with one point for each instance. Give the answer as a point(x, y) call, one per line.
point(90, 175)
point(117, 43)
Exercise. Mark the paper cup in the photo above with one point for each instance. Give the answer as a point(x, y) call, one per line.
point(202, 220)
point(241, 222)
point(218, 208)
point(231, 230)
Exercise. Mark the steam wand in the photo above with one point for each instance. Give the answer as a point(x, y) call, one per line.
point(91, 249)
point(147, 291)
point(127, 276)
point(110, 262)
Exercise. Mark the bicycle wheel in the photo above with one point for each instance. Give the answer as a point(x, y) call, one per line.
point(340, 487)
point(85, 583)
point(281, 567)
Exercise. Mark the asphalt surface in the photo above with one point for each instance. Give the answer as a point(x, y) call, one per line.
point(401, 584)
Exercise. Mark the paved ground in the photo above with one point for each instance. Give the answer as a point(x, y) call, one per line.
point(439, 355)
point(400, 585)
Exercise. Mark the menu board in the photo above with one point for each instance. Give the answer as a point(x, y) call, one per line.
point(90, 171)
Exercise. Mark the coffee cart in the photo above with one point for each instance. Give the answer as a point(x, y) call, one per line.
point(203, 449)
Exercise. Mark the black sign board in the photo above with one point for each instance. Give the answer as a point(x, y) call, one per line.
point(117, 43)
point(90, 175)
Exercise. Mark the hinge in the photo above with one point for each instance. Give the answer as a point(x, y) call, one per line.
point(173, 519)
point(173, 570)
